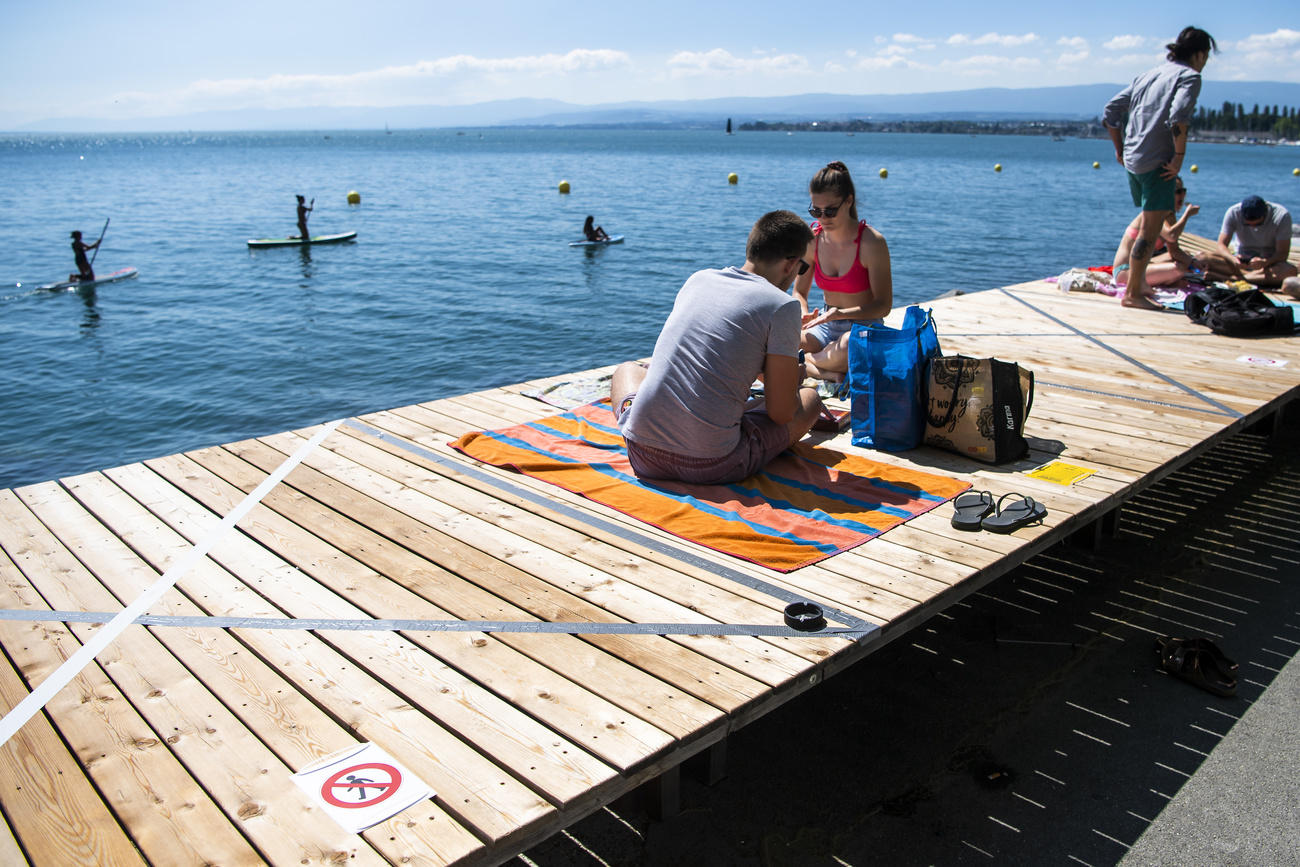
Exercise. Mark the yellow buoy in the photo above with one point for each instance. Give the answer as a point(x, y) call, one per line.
point(564, 187)
point(733, 178)
point(884, 173)
point(1096, 165)
point(1195, 168)
point(1296, 172)
point(354, 198)
point(997, 167)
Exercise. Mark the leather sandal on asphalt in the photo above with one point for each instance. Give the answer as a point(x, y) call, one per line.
point(1197, 668)
point(1020, 512)
point(1225, 666)
point(971, 507)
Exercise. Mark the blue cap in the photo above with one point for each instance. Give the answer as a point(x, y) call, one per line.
point(1254, 208)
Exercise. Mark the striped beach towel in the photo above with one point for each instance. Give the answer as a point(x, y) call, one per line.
point(809, 504)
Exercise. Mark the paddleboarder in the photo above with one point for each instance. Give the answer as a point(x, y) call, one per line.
point(303, 211)
point(594, 233)
point(84, 270)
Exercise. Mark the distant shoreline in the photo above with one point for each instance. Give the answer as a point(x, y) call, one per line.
point(1056, 128)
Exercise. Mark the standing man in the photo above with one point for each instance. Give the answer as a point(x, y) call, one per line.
point(1148, 123)
point(1263, 232)
point(303, 210)
point(688, 417)
point(84, 272)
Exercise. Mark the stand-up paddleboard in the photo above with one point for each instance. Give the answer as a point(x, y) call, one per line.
point(613, 239)
point(121, 274)
point(298, 242)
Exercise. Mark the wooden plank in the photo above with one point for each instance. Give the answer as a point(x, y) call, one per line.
point(467, 785)
point(270, 705)
point(589, 720)
point(254, 793)
point(600, 595)
point(548, 762)
point(462, 597)
point(118, 750)
point(49, 804)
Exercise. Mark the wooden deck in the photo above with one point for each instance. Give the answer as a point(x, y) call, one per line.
point(176, 745)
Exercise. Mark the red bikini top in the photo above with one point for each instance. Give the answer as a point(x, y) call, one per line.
point(856, 281)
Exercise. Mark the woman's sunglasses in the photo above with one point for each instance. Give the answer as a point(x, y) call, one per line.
point(817, 213)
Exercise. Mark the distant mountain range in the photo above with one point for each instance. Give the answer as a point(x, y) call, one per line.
point(1079, 102)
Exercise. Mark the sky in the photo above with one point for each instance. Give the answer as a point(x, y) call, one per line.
point(146, 58)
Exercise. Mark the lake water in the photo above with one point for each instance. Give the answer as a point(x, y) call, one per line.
point(461, 277)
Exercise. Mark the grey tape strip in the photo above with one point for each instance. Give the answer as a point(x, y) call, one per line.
point(1038, 383)
point(1223, 410)
point(368, 625)
point(855, 624)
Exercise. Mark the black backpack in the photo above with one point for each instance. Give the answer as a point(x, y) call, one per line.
point(1239, 314)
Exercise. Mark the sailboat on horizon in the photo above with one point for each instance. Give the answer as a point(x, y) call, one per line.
point(729, 132)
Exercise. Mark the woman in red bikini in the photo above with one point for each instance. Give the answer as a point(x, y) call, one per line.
point(850, 263)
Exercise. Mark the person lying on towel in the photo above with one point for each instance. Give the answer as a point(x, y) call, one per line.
point(688, 417)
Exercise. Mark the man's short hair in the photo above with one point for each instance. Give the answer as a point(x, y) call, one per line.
point(1253, 208)
point(778, 235)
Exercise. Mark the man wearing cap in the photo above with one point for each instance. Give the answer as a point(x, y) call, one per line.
point(1263, 233)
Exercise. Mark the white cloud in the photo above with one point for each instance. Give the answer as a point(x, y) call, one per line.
point(390, 85)
point(1073, 58)
point(1136, 62)
point(1124, 43)
point(908, 39)
point(1078, 43)
point(1279, 39)
point(1006, 41)
point(719, 61)
point(882, 62)
point(1278, 52)
point(992, 64)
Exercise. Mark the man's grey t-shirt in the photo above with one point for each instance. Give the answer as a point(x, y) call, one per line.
point(1156, 101)
point(723, 325)
point(1257, 241)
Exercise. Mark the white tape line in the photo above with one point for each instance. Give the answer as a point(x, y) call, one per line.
point(37, 698)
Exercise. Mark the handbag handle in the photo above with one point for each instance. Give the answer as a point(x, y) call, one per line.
point(952, 402)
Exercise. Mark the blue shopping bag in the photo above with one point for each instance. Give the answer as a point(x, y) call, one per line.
point(887, 378)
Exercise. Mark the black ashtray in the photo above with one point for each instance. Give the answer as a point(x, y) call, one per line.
point(804, 616)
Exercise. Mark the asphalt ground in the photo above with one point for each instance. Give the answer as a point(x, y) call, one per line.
point(1030, 723)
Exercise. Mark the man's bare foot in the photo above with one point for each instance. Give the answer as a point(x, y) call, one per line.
point(1143, 301)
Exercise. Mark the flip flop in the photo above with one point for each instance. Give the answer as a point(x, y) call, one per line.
point(1197, 668)
point(971, 507)
point(1019, 513)
point(1225, 666)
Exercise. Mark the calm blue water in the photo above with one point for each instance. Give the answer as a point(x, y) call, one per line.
point(461, 278)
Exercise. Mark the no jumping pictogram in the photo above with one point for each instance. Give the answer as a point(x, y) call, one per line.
point(361, 785)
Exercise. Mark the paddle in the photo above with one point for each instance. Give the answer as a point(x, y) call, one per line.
point(97, 243)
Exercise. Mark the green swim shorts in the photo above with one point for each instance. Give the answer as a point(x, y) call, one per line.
point(1152, 192)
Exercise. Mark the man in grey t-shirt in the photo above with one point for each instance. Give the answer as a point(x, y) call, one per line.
point(688, 416)
point(1263, 233)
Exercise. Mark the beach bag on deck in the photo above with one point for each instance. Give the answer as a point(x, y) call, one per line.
point(977, 407)
point(1239, 314)
point(887, 381)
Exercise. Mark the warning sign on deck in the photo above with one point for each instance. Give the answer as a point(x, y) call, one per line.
point(361, 786)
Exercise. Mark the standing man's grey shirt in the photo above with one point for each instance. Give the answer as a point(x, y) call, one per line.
point(1153, 104)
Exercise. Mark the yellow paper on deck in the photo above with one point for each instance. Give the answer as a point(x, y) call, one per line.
point(1060, 473)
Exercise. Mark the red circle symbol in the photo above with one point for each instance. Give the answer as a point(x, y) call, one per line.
point(358, 779)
